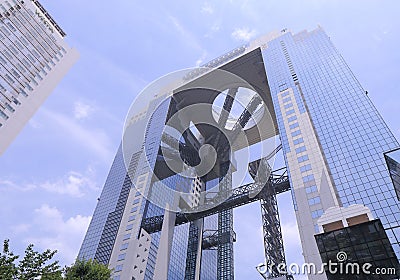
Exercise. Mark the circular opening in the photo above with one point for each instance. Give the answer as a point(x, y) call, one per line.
point(240, 103)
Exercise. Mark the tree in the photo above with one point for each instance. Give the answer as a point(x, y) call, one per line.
point(34, 265)
point(87, 270)
point(8, 270)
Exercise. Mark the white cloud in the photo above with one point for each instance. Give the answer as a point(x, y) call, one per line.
point(207, 9)
point(243, 34)
point(93, 140)
point(73, 184)
point(59, 234)
point(82, 110)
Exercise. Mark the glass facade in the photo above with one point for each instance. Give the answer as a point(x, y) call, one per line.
point(393, 162)
point(107, 204)
point(362, 243)
point(333, 140)
point(351, 134)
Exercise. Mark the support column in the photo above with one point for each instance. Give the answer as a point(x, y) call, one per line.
point(225, 265)
point(273, 242)
point(164, 251)
point(193, 258)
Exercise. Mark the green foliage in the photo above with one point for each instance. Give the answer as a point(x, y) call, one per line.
point(32, 266)
point(87, 270)
point(35, 265)
point(8, 270)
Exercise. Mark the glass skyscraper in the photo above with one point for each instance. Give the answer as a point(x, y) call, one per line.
point(333, 140)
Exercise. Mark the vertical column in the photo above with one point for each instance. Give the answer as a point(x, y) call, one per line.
point(193, 259)
point(273, 242)
point(225, 270)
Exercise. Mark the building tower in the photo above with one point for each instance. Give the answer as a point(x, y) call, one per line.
point(33, 59)
point(154, 221)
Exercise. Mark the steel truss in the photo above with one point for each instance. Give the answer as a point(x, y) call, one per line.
point(223, 238)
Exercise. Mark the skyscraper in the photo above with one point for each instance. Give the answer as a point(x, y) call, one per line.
point(166, 209)
point(33, 58)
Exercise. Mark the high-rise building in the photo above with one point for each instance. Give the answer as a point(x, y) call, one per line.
point(34, 57)
point(166, 208)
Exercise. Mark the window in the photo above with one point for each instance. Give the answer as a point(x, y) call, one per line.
point(285, 94)
point(124, 246)
point(127, 236)
point(118, 268)
point(296, 133)
point(134, 209)
point(129, 227)
point(136, 201)
point(308, 178)
point(287, 99)
point(293, 126)
point(300, 149)
point(3, 115)
point(311, 189)
point(302, 158)
point(9, 79)
point(314, 200)
point(121, 257)
point(2, 60)
point(298, 141)
point(305, 168)
point(292, 118)
point(317, 213)
point(287, 106)
point(132, 218)
point(289, 112)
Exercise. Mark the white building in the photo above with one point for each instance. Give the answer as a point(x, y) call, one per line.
point(34, 57)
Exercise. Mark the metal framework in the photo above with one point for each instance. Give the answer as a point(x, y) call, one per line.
point(223, 238)
point(240, 196)
point(266, 186)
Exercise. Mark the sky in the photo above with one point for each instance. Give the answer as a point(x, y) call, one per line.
point(53, 172)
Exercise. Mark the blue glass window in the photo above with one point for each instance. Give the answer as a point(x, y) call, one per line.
point(296, 133)
point(121, 257)
point(314, 200)
point(317, 213)
point(298, 141)
point(289, 105)
point(305, 168)
point(289, 112)
point(302, 158)
point(124, 246)
point(308, 178)
point(293, 126)
point(311, 189)
point(300, 149)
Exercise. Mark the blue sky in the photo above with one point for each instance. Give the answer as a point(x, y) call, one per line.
point(52, 174)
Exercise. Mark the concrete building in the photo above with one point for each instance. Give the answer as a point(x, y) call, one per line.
point(34, 57)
